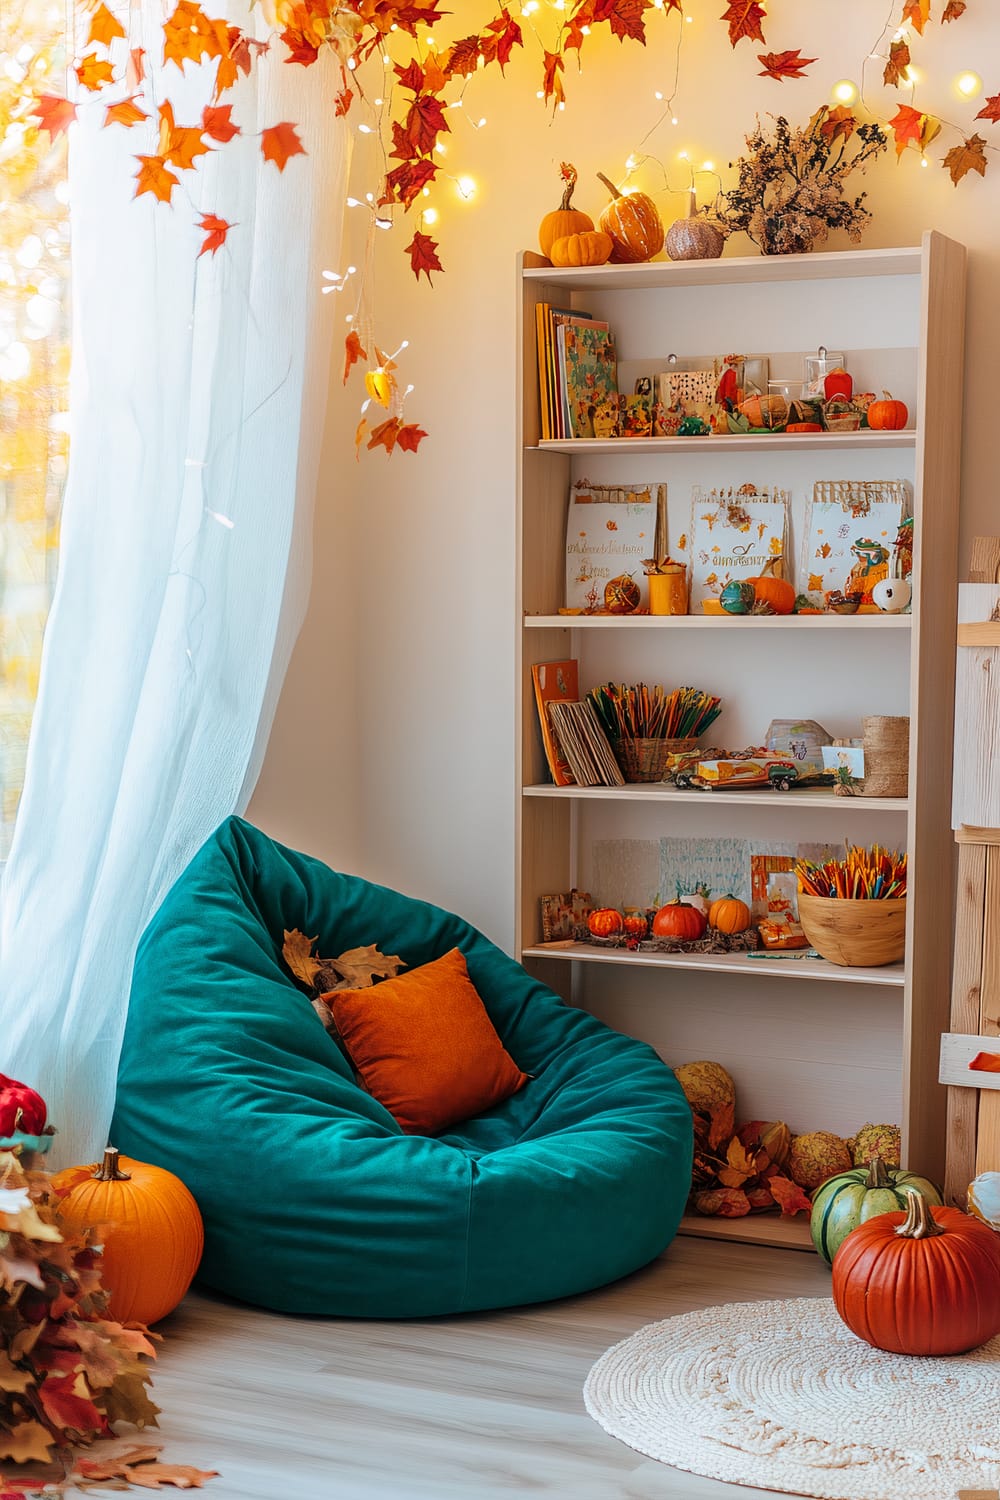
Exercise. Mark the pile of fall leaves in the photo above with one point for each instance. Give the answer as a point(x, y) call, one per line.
point(737, 1172)
point(67, 1371)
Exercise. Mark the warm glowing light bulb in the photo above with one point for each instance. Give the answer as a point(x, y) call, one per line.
point(631, 164)
point(682, 156)
point(467, 187)
point(365, 129)
point(968, 85)
point(845, 92)
point(430, 215)
point(674, 120)
point(911, 75)
point(924, 162)
point(708, 166)
point(658, 94)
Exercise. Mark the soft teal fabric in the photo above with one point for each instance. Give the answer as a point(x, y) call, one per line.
point(314, 1201)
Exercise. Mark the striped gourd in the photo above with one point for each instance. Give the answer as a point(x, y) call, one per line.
point(851, 1198)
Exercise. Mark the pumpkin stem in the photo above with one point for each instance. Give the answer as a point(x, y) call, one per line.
point(920, 1223)
point(877, 1177)
point(609, 185)
point(109, 1170)
point(569, 177)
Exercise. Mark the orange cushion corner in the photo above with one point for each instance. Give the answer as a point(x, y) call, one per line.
point(425, 1046)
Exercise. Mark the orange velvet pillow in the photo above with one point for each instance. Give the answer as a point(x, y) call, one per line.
point(425, 1047)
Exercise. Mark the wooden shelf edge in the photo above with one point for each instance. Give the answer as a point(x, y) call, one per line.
point(752, 1229)
point(780, 442)
point(739, 269)
point(718, 622)
point(762, 797)
point(769, 965)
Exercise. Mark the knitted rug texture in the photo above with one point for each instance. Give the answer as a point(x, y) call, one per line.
point(781, 1395)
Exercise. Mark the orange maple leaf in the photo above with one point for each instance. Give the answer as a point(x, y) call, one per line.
point(409, 437)
point(125, 112)
point(838, 122)
point(954, 9)
point(788, 1195)
point(104, 27)
point(354, 352)
point(343, 102)
point(54, 114)
point(179, 144)
point(899, 61)
point(94, 72)
point(154, 177)
point(191, 36)
point(279, 142)
point(135, 72)
point(968, 157)
point(552, 84)
point(422, 251)
point(424, 122)
point(216, 122)
point(986, 1062)
point(385, 434)
point(744, 17)
point(908, 124)
point(236, 59)
point(917, 13)
point(359, 437)
point(784, 64)
point(216, 230)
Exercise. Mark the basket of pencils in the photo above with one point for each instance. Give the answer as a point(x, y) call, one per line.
point(647, 726)
point(853, 910)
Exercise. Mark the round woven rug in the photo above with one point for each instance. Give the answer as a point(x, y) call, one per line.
point(781, 1395)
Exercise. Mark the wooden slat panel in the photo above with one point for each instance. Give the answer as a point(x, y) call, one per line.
point(957, 1055)
point(984, 563)
point(988, 1129)
point(976, 786)
point(963, 1104)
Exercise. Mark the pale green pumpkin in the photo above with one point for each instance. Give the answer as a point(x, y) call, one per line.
point(851, 1198)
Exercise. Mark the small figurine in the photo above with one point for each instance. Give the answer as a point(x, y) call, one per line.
point(693, 427)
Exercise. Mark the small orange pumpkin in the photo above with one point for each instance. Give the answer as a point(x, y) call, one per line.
point(636, 925)
point(729, 915)
point(765, 411)
point(622, 595)
point(589, 247)
point(605, 922)
point(632, 221)
point(887, 415)
point(777, 593)
point(679, 920)
point(565, 219)
point(152, 1232)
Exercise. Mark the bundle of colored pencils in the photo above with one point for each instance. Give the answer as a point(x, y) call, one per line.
point(874, 874)
point(639, 712)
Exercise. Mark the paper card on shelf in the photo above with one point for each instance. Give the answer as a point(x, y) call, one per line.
point(762, 866)
point(735, 533)
point(850, 528)
point(610, 531)
point(563, 913)
point(555, 682)
point(589, 372)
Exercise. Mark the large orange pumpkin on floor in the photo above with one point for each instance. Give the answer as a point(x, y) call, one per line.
point(150, 1228)
point(633, 223)
point(923, 1282)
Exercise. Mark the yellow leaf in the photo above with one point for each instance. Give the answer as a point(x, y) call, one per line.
point(298, 955)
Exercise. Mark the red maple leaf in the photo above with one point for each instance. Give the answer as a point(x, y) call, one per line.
point(425, 121)
point(625, 19)
point(463, 58)
point(744, 17)
point(54, 114)
point(104, 27)
point(411, 77)
point(907, 126)
point(64, 1408)
point(343, 102)
point(94, 72)
point(125, 112)
point(552, 84)
point(788, 1195)
point(406, 182)
point(410, 437)
point(508, 36)
point(279, 142)
point(234, 60)
point(301, 48)
point(154, 177)
point(422, 251)
point(991, 109)
point(216, 230)
point(216, 121)
point(353, 352)
point(954, 9)
point(784, 64)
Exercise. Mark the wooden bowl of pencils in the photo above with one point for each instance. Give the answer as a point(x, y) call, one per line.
point(855, 934)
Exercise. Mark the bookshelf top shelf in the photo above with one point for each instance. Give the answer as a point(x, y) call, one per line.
point(770, 965)
point(778, 442)
point(719, 622)
point(729, 270)
point(749, 797)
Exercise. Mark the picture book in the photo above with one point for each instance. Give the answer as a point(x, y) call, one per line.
point(550, 400)
point(555, 682)
point(610, 531)
point(589, 373)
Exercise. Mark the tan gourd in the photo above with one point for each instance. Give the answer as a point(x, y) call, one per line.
point(694, 237)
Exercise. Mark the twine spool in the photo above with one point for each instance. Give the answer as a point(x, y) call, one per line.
point(887, 755)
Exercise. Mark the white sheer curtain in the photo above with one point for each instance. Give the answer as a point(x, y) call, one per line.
point(197, 401)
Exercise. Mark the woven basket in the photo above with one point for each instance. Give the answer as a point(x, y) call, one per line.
point(647, 760)
point(887, 755)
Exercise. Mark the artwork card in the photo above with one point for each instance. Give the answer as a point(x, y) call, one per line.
point(637, 417)
point(688, 393)
point(610, 531)
point(695, 866)
point(590, 373)
point(762, 867)
point(734, 534)
point(850, 529)
point(607, 418)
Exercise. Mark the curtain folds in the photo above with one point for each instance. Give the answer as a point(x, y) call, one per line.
point(197, 401)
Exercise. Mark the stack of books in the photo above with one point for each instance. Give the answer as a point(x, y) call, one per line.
point(577, 375)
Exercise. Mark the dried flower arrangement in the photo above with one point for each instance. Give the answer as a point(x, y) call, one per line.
point(791, 184)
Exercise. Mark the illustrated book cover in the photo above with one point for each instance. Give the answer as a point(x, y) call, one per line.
point(555, 682)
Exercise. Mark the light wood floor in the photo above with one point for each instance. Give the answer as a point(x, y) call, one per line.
point(482, 1407)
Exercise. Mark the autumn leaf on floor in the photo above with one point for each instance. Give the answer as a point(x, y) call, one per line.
point(94, 72)
point(104, 27)
point(969, 157)
point(279, 142)
point(744, 18)
point(788, 1195)
point(917, 13)
point(739, 1165)
point(910, 126)
point(216, 121)
point(154, 177)
point(899, 61)
point(991, 109)
point(216, 230)
point(138, 1466)
point(784, 64)
point(125, 112)
point(422, 251)
point(54, 114)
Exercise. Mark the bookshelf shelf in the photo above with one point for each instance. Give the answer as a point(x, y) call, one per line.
point(756, 1229)
point(771, 965)
point(814, 1049)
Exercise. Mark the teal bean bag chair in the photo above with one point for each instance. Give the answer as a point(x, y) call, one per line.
point(313, 1198)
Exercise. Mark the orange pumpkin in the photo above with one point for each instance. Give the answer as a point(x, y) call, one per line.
point(924, 1282)
point(152, 1232)
point(765, 411)
point(564, 220)
point(589, 247)
point(777, 593)
point(605, 922)
point(636, 925)
point(887, 415)
point(632, 221)
point(679, 920)
point(622, 595)
point(729, 915)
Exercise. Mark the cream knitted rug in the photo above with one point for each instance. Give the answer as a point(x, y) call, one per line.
point(783, 1396)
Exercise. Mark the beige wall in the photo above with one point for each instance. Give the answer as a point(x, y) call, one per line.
point(392, 750)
